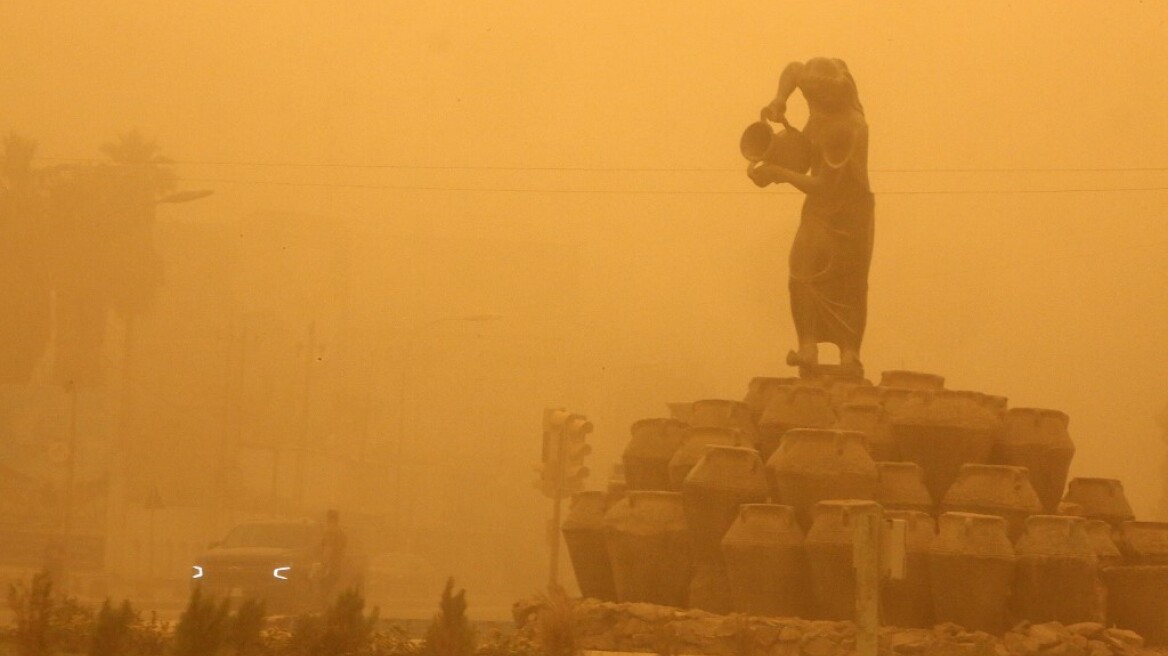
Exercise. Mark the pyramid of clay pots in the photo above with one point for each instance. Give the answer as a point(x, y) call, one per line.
point(746, 506)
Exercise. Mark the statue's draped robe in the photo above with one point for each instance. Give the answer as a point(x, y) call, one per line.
point(833, 247)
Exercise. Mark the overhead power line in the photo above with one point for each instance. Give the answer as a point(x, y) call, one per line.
point(679, 192)
point(609, 169)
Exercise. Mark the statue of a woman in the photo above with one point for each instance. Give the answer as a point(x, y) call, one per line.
point(833, 246)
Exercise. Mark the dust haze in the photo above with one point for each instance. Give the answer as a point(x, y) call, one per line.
point(431, 220)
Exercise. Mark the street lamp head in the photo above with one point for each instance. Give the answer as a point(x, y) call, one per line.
point(185, 196)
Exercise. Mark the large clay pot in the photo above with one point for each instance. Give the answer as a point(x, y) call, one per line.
point(1057, 569)
point(698, 440)
point(908, 602)
point(583, 530)
point(765, 564)
point(760, 391)
point(682, 412)
point(971, 569)
point(901, 486)
point(1037, 439)
point(1102, 542)
point(724, 413)
point(942, 430)
point(830, 561)
point(871, 421)
point(798, 406)
point(1101, 498)
point(616, 488)
point(647, 454)
point(813, 465)
point(1137, 600)
point(994, 490)
point(911, 380)
point(648, 546)
point(840, 388)
point(1144, 543)
point(725, 478)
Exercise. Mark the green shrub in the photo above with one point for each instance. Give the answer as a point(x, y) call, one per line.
point(556, 630)
point(44, 622)
point(346, 628)
point(243, 637)
point(343, 630)
point(450, 633)
point(112, 633)
point(202, 628)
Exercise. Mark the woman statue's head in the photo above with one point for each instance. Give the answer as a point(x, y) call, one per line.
point(827, 84)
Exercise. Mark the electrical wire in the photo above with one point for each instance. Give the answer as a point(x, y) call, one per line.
point(679, 192)
point(605, 169)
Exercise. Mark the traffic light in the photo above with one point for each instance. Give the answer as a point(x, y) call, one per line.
point(576, 429)
point(562, 469)
point(550, 459)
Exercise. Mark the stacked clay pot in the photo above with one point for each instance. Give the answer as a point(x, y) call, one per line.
point(971, 570)
point(942, 430)
point(914, 380)
point(765, 564)
point(1056, 575)
point(870, 420)
point(648, 547)
point(908, 602)
point(1038, 440)
point(813, 465)
point(1137, 591)
point(760, 391)
point(1100, 534)
point(1144, 543)
point(994, 490)
point(901, 486)
point(649, 450)
point(616, 488)
point(1137, 599)
point(583, 531)
point(697, 440)
point(829, 546)
point(841, 388)
point(682, 411)
point(724, 413)
point(797, 406)
point(1100, 498)
point(725, 478)
point(888, 399)
point(1107, 552)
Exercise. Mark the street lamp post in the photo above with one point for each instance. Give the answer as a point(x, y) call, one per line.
point(407, 358)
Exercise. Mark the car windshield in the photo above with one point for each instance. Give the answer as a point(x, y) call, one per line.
point(283, 536)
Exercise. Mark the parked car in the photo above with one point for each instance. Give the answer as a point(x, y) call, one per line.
point(276, 561)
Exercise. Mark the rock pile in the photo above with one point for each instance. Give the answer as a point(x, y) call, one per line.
point(609, 626)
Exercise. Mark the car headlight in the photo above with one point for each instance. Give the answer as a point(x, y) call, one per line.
point(198, 572)
point(281, 573)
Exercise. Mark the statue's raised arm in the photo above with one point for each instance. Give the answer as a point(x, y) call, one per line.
point(832, 250)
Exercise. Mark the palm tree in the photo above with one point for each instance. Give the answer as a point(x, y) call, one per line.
point(24, 279)
point(143, 157)
point(140, 176)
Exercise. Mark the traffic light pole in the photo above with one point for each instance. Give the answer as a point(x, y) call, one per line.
point(561, 473)
point(554, 527)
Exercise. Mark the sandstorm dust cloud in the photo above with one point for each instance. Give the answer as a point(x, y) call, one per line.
point(430, 221)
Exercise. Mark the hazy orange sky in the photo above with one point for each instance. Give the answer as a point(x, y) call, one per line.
point(1037, 280)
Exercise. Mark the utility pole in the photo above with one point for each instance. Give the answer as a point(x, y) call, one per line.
point(562, 472)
